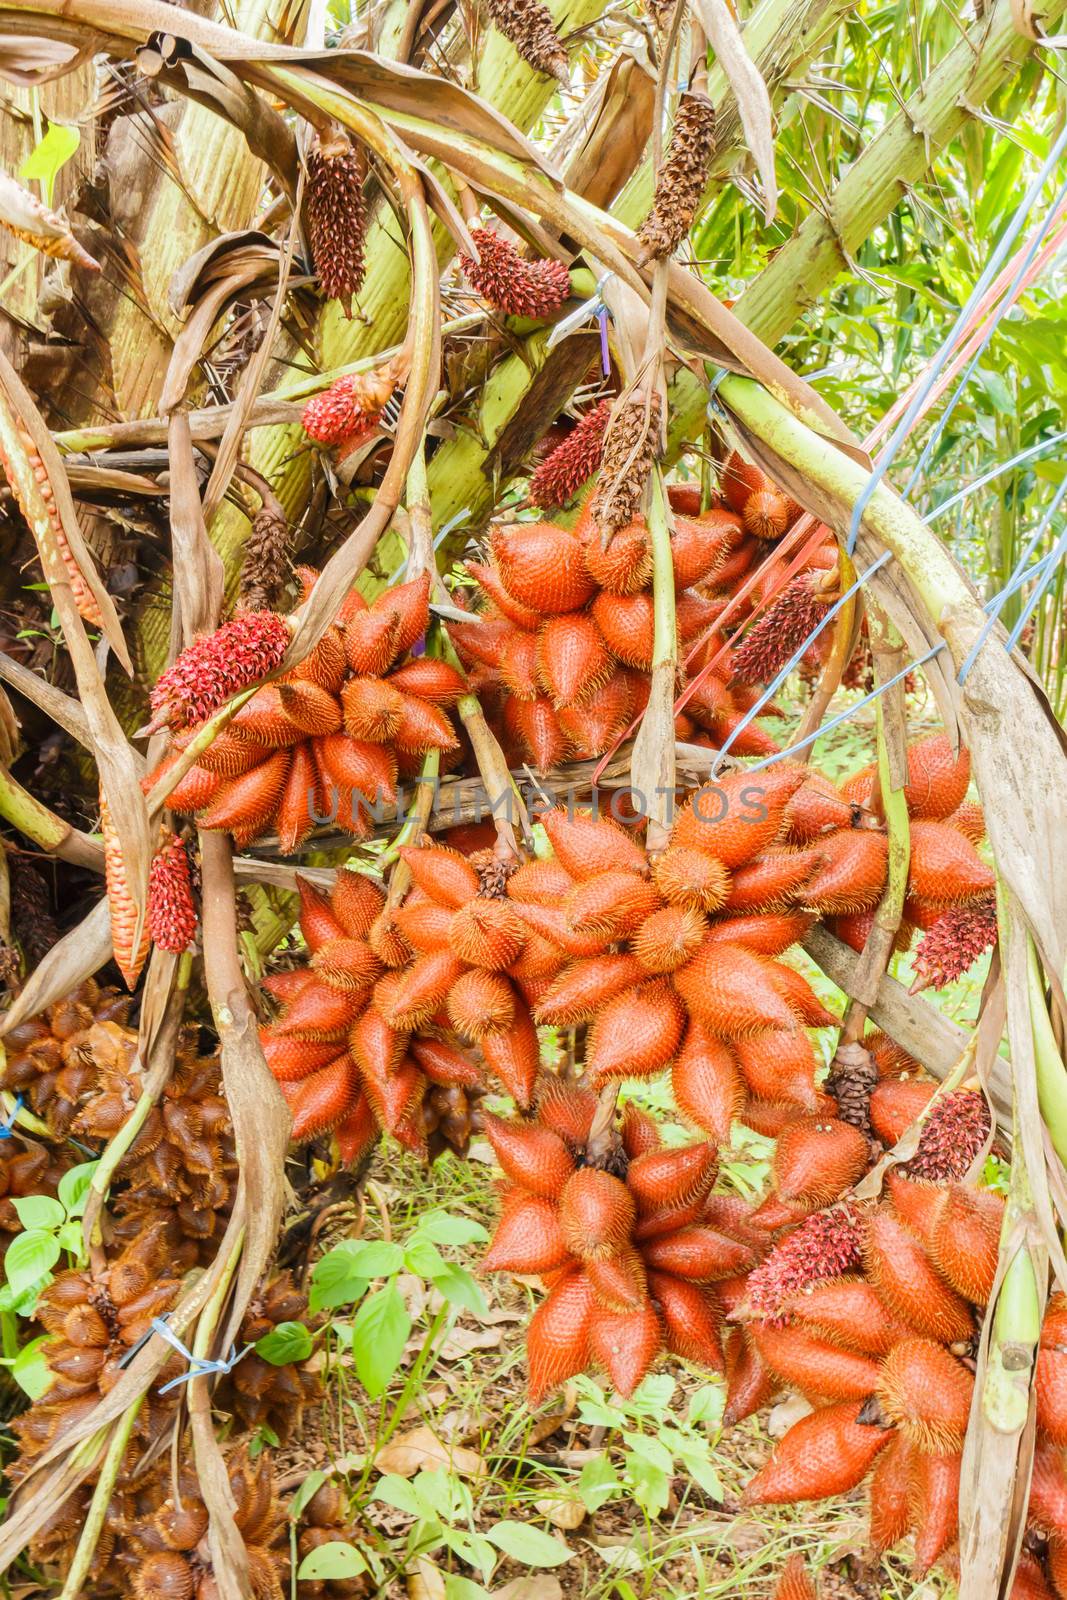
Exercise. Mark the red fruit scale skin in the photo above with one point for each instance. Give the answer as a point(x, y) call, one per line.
point(826, 1453)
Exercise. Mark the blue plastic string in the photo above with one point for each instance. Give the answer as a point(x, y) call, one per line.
point(995, 605)
point(843, 716)
point(1055, 556)
point(918, 400)
point(575, 319)
point(7, 1123)
point(773, 687)
point(994, 323)
point(995, 472)
point(605, 348)
point(198, 1366)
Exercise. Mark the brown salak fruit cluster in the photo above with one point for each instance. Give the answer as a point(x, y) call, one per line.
point(258, 1393)
point(344, 1068)
point(95, 1317)
point(77, 1066)
point(562, 650)
point(631, 1254)
point(325, 1521)
point(869, 1311)
point(329, 740)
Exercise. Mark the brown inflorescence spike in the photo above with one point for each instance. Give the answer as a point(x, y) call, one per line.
point(682, 178)
point(337, 217)
point(631, 446)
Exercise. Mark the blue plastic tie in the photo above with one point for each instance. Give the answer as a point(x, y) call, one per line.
point(843, 716)
point(773, 687)
point(1021, 575)
point(992, 267)
point(7, 1123)
point(1055, 556)
point(199, 1367)
point(575, 319)
point(605, 348)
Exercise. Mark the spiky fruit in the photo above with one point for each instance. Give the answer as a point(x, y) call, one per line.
point(622, 562)
point(776, 636)
point(584, 986)
point(699, 545)
point(819, 1370)
point(322, 1099)
point(487, 933)
point(613, 904)
point(910, 1285)
point(952, 1137)
point(825, 1245)
point(794, 1583)
point(1047, 1510)
point(593, 727)
point(626, 1344)
point(736, 817)
point(346, 964)
point(566, 1108)
point(171, 909)
point(587, 846)
point(596, 1213)
point(528, 1237)
point(217, 666)
point(480, 1003)
point(1050, 1388)
point(815, 1160)
point(954, 942)
point(423, 989)
point(320, 1012)
point(779, 1064)
point(847, 1311)
point(512, 1055)
point(571, 660)
point(851, 872)
point(442, 873)
point(660, 1178)
point(619, 1281)
point(767, 933)
point(337, 218)
point(699, 1253)
point(750, 1386)
point(691, 879)
point(926, 1393)
point(730, 991)
point(894, 1105)
point(817, 808)
point(891, 1493)
point(964, 1241)
point(627, 625)
point(935, 1489)
point(707, 1087)
point(531, 1155)
point(558, 1338)
point(937, 778)
point(666, 939)
point(739, 479)
point(562, 473)
point(637, 1033)
point(945, 867)
point(824, 1454)
point(771, 882)
point(542, 566)
point(518, 287)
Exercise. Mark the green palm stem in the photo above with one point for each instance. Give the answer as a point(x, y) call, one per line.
point(93, 1526)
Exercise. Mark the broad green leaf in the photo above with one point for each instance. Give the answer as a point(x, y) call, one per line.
point(335, 1281)
point(70, 1237)
point(375, 1258)
point(706, 1404)
point(398, 1492)
point(532, 1546)
point(39, 1211)
point(289, 1341)
point(306, 1493)
point(30, 1370)
point(699, 1466)
point(598, 1483)
point(338, 1559)
point(29, 1257)
point(471, 1548)
point(652, 1450)
point(651, 1485)
point(74, 1187)
point(424, 1258)
point(379, 1335)
point(457, 1588)
point(51, 152)
point(456, 1285)
point(441, 1228)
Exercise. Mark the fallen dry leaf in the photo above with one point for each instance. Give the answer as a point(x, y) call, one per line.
point(427, 1582)
point(532, 1588)
point(462, 1341)
point(419, 1448)
point(563, 1511)
point(782, 1416)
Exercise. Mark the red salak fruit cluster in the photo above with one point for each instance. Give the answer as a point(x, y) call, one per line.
point(562, 649)
point(217, 666)
point(630, 1256)
point(329, 740)
point(573, 462)
point(171, 907)
point(341, 1067)
point(518, 287)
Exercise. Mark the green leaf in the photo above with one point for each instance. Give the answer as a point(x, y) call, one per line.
point(74, 1187)
point(456, 1285)
point(29, 1257)
point(471, 1548)
point(457, 1588)
point(289, 1341)
point(70, 1237)
point(49, 154)
point(652, 1450)
point(424, 1258)
point(394, 1491)
point(39, 1211)
point(338, 1559)
point(698, 1465)
point(598, 1483)
point(306, 1493)
point(706, 1404)
point(532, 1546)
point(334, 1280)
point(651, 1485)
point(379, 1335)
point(375, 1258)
point(442, 1228)
point(30, 1370)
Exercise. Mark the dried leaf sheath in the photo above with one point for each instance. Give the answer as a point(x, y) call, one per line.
point(682, 178)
